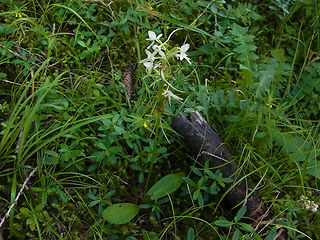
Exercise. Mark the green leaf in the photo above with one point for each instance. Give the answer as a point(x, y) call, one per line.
point(240, 213)
point(2, 75)
point(6, 29)
point(92, 167)
point(200, 199)
point(39, 207)
point(232, 118)
point(238, 30)
point(44, 197)
point(82, 43)
point(244, 49)
point(31, 223)
point(141, 177)
point(189, 181)
point(25, 211)
point(165, 186)
point(297, 148)
point(223, 223)
point(191, 234)
point(149, 236)
point(246, 227)
point(313, 169)
point(51, 153)
point(109, 194)
point(266, 76)
point(278, 54)
point(50, 160)
point(196, 194)
point(63, 196)
point(236, 235)
point(93, 203)
point(120, 213)
point(272, 234)
point(100, 145)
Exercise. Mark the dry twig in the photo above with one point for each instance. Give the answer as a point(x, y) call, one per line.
point(17, 197)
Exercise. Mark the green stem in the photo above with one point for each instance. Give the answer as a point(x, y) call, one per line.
point(154, 152)
point(160, 105)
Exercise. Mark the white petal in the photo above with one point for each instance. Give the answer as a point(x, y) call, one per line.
point(169, 95)
point(148, 53)
point(166, 93)
point(176, 97)
point(188, 60)
point(157, 65)
point(184, 48)
point(181, 56)
point(152, 35)
point(162, 54)
point(148, 66)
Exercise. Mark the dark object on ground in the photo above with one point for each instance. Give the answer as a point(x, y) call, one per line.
point(127, 78)
point(201, 139)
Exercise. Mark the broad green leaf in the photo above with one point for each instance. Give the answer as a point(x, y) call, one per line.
point(52, 153)
point(50, 160)
point(165, 186)
point(6, 29)
point(120, 213)
point(313, 169)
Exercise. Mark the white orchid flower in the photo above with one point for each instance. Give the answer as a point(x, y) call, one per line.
point(149, 66)
point(157, 49)
point(182, 53)
point(153, 37)
point(167, 93)
point(149, 61)
point(150, 57)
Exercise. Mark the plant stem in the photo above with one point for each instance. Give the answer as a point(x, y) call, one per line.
point(154, 151)
point(160, 105)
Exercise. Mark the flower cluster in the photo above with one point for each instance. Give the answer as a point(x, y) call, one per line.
point(308, 204)
point(158, 60)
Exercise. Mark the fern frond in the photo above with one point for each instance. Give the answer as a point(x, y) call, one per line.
point(306, 91)
point(245, 49)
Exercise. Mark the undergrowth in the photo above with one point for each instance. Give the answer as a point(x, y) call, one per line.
point(250, 67)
